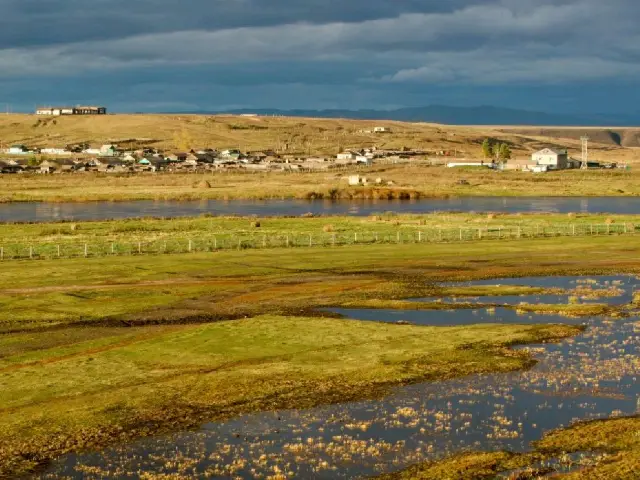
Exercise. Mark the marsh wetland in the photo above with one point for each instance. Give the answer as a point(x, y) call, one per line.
point(590, 376)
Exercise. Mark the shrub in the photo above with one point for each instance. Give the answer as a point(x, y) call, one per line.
point(255, 224)
point(328, 228)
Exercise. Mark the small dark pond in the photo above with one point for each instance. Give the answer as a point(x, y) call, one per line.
point(445, 318)
point(49, 212)
point(593, 375)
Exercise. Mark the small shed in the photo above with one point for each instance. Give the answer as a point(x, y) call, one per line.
point(356, 180)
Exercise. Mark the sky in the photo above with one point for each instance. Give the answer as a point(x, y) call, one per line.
point(558, 56)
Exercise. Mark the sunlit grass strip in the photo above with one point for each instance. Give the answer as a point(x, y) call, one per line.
point(207, 242)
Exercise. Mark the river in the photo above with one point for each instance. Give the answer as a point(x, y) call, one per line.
point(50, 212)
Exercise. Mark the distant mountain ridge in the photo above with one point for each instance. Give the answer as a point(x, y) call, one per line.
point(481, 115)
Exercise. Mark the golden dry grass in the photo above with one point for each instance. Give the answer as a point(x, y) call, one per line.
point(284, 134)
point(411, 181)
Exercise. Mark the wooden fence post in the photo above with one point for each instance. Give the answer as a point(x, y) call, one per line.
point(310, 241)
point(58, 251)
point(189, 245)
point(461, 234)
point(1, 253)
point(420, 236)
point(85, 250)
point(287, 240)
point(140, 248)
point(398, 237)
point(113, 250)
point(355, 237)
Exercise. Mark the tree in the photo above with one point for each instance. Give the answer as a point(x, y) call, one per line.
point(501, 152)
point(487, 148)
point(505, 153)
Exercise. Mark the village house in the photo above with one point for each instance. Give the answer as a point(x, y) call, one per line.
point(551, 159)
point(54, 151)
point(347, 155)
point(109, 165)
point(381, 130)
point(191, 162)
point(108, 151)
point(18, 150)
point(231, 154)
point(59, 166)
point(177, 157)
point(206, 158)
point(10, 166)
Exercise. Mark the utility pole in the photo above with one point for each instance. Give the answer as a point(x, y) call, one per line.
point(585, 152)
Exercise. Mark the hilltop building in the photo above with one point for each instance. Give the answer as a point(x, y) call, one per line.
point(78, 110)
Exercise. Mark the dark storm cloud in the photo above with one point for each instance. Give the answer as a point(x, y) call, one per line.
point(229, 51)
point(46, 22)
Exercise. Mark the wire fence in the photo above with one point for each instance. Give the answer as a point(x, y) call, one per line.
point(217, 242)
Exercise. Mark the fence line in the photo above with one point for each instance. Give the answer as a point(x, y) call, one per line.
point(217, 242)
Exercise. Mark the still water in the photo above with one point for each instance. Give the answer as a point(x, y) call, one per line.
point(47, 212)
point(593, 375)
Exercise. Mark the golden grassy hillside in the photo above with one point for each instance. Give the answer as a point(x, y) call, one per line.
point(285, 134)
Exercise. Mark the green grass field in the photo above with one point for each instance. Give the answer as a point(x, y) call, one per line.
point(181, 235)
point(95, 351)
